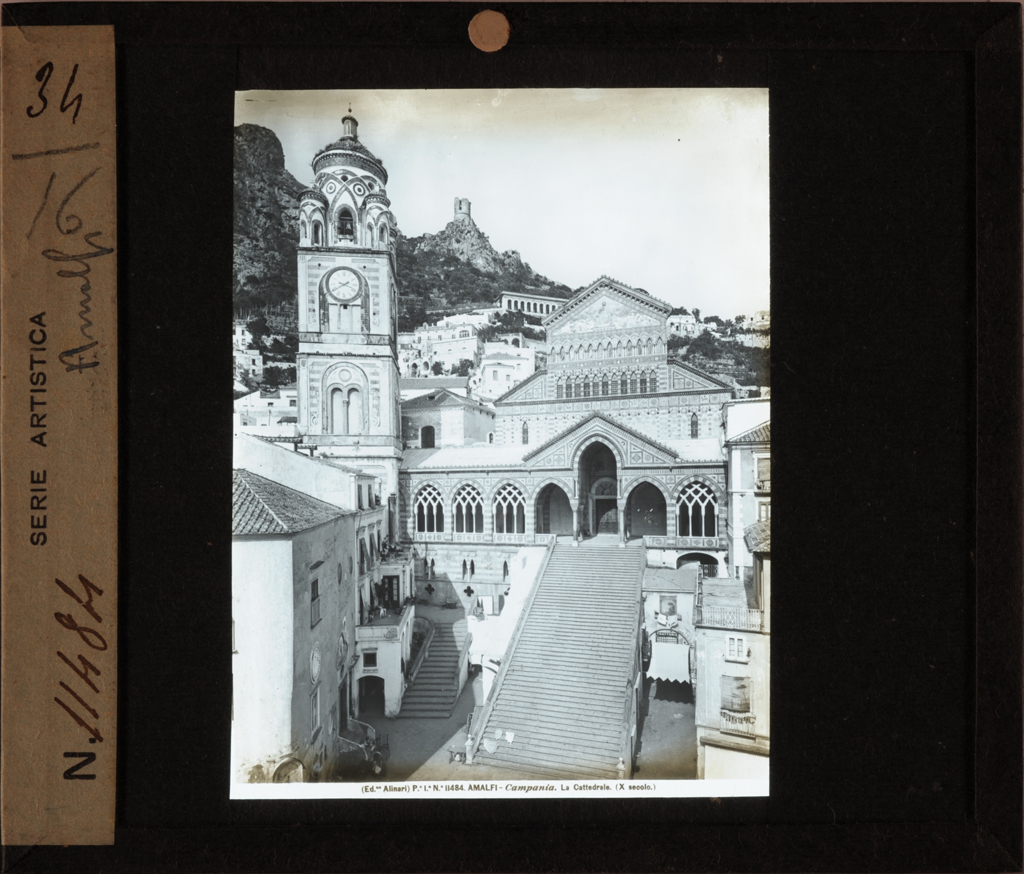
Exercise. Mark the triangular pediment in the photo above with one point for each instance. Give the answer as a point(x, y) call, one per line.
point(607, 305)
point(683, 377)
point(632, 447)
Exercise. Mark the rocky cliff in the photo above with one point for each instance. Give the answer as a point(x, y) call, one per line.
point(266, 223)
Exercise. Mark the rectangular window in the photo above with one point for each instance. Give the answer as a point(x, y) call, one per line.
point(559, 392)
point(624, 386)
point(736, 694)
point(604, 386)
point(632, 386)
point(764, 473)
point(568, 389)
point(643, 385)
point(293, 402)
point(654, 383)
point(369, 659)
point(586, 389)
point(737, 649)
point(764, 511)
point(314, 603)
point(314, 711)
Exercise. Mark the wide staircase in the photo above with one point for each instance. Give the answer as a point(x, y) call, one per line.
point(435, 689)
point(563, 694)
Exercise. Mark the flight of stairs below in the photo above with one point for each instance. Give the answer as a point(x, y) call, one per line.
point(565, 692)
point(435, 689)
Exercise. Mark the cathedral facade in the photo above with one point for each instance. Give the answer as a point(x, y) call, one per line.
point(612, 438)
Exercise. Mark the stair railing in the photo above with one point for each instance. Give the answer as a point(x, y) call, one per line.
point(473, 743)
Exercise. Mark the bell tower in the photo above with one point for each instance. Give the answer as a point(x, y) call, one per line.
point(347, 368)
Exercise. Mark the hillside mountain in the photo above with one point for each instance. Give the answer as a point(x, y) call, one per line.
point(266, 228)
point(438, 274)
point(457, 269)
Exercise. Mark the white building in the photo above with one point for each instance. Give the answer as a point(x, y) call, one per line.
point(502, 371)
point(683, 325)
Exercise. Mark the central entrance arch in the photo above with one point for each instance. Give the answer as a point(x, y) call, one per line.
point(599, 488)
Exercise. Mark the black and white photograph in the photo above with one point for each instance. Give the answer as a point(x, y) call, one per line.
point(501, 505)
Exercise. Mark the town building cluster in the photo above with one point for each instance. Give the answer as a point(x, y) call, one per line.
point(598, 509)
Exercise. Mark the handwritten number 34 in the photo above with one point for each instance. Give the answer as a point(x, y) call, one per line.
point(43, 77)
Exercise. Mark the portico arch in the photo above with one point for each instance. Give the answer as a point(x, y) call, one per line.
point(553, 510)
point(646, 511)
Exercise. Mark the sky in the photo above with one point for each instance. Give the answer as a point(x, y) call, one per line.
point(663, 189)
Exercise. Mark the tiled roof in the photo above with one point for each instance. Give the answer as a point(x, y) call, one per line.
point(439, 398)
point(759, 434)
point(563, 692)
point(758, 536)
point(262, 506)
point(429, 382)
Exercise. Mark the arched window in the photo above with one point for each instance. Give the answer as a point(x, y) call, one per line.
point(624, 386)
point(618, 349)
point(346, 225)
point(509, 511)
point(650, 346)
point(604, 386)
point(429, 510)
point(526, 433)
point(362, 558)
point(652, 383)
point(472, 568)
point(568, 389)
point(629, 349)
point(490, 437)
point(302, 229)
point(469, 510)
point(463, 335)
point(586, 388)
point(559, 391)
point(427, 437)
point(643, 384)
point(465, 567)
point(694, 427)
point(318, 234)
point(697, 511)
point(370, 236)
point(355, 411)
point(632, 383)
point(504, 571)
point(384, 236)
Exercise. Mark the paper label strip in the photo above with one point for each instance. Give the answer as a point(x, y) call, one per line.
point(58, 414)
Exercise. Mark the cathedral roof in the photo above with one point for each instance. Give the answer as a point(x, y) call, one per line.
point(262, 506)
point(467, 457)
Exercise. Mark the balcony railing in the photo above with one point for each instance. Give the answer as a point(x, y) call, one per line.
point(737, 723)
point(736, 618)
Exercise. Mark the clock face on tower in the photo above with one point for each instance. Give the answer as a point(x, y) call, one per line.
point(342, 284)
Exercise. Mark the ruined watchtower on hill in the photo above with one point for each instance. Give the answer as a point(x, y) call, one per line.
point(462, 210)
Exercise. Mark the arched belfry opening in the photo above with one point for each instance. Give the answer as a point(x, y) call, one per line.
point(598, 490)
